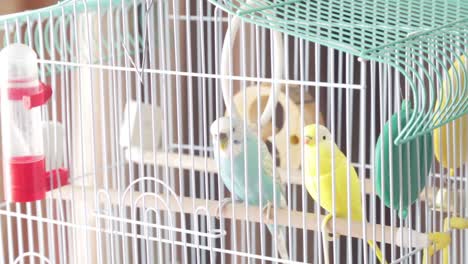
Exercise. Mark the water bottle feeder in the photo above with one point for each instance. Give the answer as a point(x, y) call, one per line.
point(25, 174)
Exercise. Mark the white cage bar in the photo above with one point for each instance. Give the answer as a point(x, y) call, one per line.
point(137, 84)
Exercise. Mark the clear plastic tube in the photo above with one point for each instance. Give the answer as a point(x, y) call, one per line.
point(22, 139)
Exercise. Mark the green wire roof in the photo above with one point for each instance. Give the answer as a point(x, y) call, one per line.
point(61, 15)
point(421, 39)
point(62, 8)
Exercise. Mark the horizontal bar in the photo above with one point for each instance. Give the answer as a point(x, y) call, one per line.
point(265, 7)
point(238, 211)
point(204, 75)
point(209, 165)
point(177, 242)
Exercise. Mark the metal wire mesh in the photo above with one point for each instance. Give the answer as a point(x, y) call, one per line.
point(137, 85)
point(404, 34)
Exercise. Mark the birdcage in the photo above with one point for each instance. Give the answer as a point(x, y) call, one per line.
point(220, 131)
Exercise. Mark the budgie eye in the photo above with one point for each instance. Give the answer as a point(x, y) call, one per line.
point(236, 141)
point(324, 137)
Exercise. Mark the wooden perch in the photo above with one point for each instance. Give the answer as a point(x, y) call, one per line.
point(239, 212)
point(198, 163)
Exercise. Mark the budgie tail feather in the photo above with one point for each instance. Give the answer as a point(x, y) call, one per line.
point(280, 234)
point(280, 240)
point(377, 251)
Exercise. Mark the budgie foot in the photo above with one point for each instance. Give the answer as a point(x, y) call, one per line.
point(267, 212)
point(223, 204)
point(325, 231)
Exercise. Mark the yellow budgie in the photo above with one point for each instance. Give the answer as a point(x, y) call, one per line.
point(319, 136)
point(452, 139)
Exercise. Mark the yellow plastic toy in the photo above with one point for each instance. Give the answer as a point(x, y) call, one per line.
point(457, 223)
point(293, 101)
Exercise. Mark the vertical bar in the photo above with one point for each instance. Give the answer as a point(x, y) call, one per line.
point(191, 106)
point(128, 95)
point(29, 204)
point(219, 110)
point(286, 121)
point(66, 113)
point(94, 155)
point(8, 205)
point(211, 84)
point(245, 242)
point(114, 93)
point(382, 108)
point(348, 155)
point(259, 43)
point(180, 125)
point(317, 210)
point(81, 210)
point(19, 226)
point(362, 151)
point(373, 127)
point(104, 133)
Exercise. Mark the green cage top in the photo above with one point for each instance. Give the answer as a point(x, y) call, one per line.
point(421, 39)
point(57, 19)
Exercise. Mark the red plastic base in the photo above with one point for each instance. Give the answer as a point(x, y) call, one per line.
point(59, 178)
point(27, 178)
point(30, 181)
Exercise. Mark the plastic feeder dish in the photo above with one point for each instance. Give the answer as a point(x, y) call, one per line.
point(400, 171)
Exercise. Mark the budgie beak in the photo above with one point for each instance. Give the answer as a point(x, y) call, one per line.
point(223, 141)
point(308, 141)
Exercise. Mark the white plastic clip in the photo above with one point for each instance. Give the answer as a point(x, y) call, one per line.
point(130, 128)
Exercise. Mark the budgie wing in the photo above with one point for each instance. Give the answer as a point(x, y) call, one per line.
point(268, 168)
point(324, 160)
point(355, 186)
point(268, 165)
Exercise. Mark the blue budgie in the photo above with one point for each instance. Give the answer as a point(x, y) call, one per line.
point(226, 140)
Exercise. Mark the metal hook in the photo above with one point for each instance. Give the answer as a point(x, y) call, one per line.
point(132, 62)
point(139, 70)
